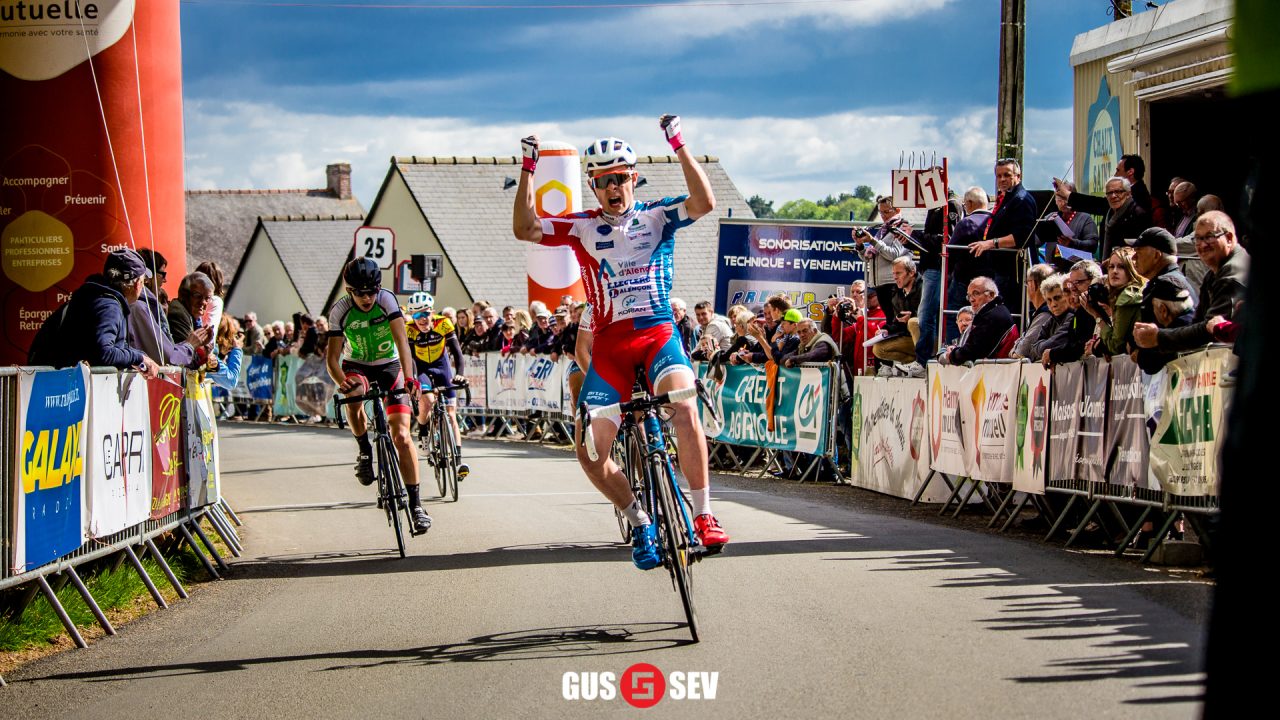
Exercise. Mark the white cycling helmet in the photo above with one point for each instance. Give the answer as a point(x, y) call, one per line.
point(608, 153)
point(421, 302)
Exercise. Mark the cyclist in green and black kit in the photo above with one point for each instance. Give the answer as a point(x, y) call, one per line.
point(370, 320)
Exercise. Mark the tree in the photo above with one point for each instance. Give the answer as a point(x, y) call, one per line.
point(761, 207)
point(864, 192)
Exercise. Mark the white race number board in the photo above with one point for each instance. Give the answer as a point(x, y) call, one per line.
point(932, 193)
point(904, 189)
point(378, 244)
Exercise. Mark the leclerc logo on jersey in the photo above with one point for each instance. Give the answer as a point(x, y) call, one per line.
point(642, 685)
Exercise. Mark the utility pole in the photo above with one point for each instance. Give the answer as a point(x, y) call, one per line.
point(1013, 15)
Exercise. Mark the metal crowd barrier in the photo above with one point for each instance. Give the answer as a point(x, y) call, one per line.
point(128, 544)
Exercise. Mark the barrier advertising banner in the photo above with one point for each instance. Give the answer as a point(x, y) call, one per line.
point(948, 405)
point(1091, 446)
point(260, 369)
point(504, 381)
point(168, 474)
point(1064, 420)
point(1126, 441)
point(474, 371)
point(198, 444)
point(802, 261)
point(801, 417)
point(544, 383)
point(1031, 435)
point(994, 402)
point(119, 454)
point(891, 450)
point(53, 407)
point(313, 388)
point(1188, 432)
point(286, 402)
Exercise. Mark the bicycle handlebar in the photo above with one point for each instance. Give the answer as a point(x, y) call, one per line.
point(458, 382)
point(616, 409)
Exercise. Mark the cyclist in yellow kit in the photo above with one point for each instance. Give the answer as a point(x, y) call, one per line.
point(435, 343)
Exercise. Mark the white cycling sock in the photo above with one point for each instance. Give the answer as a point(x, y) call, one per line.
point(701, 501)
point(635, 515)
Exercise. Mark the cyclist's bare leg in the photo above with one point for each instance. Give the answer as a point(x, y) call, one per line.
point(425, 403)
point(575, 385)
point(604, 473)
point(356, 418)
point(453, 422)
point(405, 450)
point(690, 437)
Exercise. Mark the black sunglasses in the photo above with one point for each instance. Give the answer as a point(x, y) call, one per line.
point(368, 292)
point(600, 182)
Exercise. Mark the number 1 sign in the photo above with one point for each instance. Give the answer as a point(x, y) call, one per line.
point(904, 189)
point(377, 243)
point(932, 195)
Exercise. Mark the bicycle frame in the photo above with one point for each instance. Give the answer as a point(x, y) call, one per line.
point(657, 459)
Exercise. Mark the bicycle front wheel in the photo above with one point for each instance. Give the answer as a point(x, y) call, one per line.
point(448, 461)
point(392, 487)
point(675, 536)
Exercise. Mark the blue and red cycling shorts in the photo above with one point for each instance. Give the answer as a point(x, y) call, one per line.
point(621, 349)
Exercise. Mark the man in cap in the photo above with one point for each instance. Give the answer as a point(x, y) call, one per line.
point(94, 326)
point(1155, 257)
point(1223, 287)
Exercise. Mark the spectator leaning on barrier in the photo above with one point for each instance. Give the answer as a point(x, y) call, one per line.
point(1012, 226)
point(1154, 257)
point(94, 325)
point(254, 341)
point(784, 342)
point(1041, 318)
point(880, 248)
point(716, 333)
point(991, 322)
point(212, 317)
point(1116, 317)
point(1084, 275)
point(1223, 288)
point(1061, 315)
point(815, 346)
point(744, 344)
point(901, 328)
point(193, 297)
point(684, 324)
point(230, 341)
point(149, 327)
point(540, 336)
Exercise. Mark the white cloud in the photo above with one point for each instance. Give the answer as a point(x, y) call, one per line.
point(675, 24)
point(245, 145)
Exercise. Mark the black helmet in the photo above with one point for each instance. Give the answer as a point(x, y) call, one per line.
point(362, 274)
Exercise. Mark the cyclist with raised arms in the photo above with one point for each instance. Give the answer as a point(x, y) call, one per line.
point(625, 250)
point(371, 322)
point(435, 344)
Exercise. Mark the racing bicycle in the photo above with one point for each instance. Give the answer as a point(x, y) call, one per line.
point(392, 496)
point(659, 494)
point(441, 446)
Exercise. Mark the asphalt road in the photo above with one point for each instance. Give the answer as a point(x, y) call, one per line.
point(825, 605)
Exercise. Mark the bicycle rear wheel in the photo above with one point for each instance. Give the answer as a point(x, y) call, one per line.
point(435, 453)
point(392, 488)
point(676, 538)
point(448, 460)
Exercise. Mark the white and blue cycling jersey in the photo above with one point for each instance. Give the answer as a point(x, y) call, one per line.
point(627, 267)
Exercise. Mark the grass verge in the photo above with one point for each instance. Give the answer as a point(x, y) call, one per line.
point(119, 591)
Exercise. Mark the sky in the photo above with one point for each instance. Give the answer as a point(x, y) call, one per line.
point(798, 99)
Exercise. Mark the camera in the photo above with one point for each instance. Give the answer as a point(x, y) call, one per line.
point(846, 311)
point(1098, 294)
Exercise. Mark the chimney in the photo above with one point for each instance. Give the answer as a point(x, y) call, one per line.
point(338, 177)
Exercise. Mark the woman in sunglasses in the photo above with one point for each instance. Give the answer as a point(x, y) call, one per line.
point(625, 250)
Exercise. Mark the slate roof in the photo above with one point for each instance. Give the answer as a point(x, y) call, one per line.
point(313, 250)
point(464, 201)
point(220, 223)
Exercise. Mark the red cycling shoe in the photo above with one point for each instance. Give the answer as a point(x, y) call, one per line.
point(709, 533)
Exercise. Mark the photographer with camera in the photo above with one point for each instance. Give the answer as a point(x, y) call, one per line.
point(880, 248)
point(850, 321)
point(1083, 275)
point(1119, 310)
